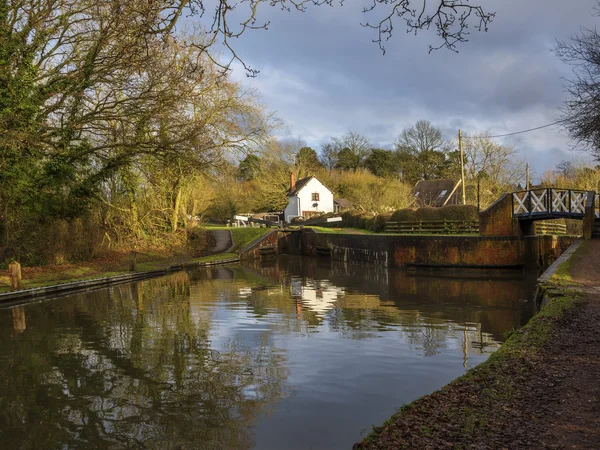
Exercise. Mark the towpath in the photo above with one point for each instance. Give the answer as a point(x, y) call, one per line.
point(548, 398)
point(573, 368)
point(222, 239)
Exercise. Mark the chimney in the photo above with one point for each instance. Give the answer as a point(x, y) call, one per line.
point(292, 181)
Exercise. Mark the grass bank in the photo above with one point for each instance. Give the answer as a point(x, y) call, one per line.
point(485, 407)
point(242, 236)
point(115, 263)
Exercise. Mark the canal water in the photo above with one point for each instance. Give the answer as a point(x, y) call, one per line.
point(297, 354)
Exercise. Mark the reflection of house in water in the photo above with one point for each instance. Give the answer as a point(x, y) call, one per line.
point(318, 295)
point(246, 291)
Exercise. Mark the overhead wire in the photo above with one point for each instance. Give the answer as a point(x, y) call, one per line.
point(516, 132)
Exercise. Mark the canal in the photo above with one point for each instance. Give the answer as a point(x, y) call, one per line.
point(299, 353)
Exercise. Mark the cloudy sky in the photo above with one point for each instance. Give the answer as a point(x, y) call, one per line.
point(321, 74)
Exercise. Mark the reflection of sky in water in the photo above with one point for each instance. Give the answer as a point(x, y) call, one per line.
point(286, 357)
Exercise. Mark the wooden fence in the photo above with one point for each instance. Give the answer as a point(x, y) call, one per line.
point(550, 228)
point(433, 227)
point(460, 227)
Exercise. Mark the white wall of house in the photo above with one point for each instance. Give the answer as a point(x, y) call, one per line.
point(306, 198)
point(292, 209)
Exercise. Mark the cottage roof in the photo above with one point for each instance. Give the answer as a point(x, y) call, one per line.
point(434, 192)
point(301, 183)
point(344, 203)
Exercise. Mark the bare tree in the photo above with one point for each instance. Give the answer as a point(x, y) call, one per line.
point(423, 136)
point(450, 19)
point(328, 155)
point(565, 169)
point(484, 158)
point(347, 152)
point(581, 114)
point(490, 168)
point(422, 152)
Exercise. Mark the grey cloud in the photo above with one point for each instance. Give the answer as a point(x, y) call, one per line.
point(323, 75)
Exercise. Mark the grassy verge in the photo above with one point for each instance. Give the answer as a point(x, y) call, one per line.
point(340, 230)
point(473, 407)
point(117, 263)
point(242, 236)
point(114, 264)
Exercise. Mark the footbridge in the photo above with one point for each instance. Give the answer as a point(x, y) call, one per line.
point(556, 203)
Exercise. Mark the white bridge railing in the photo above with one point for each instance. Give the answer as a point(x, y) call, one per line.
point(550, 202)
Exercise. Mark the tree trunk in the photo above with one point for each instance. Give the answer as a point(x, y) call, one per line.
point(175, 215)
point(133, 208)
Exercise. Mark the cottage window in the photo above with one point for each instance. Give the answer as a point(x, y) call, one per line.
point(443, 193)
point(417, 193)
point(315, 197)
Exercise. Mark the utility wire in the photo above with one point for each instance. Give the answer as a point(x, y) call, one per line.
point(516, 132)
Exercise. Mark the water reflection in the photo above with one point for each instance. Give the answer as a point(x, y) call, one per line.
point(236, 358)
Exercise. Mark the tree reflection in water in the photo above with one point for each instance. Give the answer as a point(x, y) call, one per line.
point(132, 369)
point(194, 360)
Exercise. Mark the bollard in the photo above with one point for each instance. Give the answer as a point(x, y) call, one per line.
point(132, 258)
point(15, 275)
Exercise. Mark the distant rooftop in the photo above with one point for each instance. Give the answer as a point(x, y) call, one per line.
point(435, 193)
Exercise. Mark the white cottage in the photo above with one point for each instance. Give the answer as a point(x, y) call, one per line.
point(307, 197)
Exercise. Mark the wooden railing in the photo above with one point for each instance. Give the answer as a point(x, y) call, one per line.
point(549, 202)
point(550, 228)
point(433, 227)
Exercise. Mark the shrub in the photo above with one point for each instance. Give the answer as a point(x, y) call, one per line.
point(199, 241)
point(404, 215)
point(451, 212)
point(379, 222)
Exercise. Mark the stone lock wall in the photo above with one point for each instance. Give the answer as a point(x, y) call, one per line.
point(263, 247)
point(402, 251)
point(438, 251)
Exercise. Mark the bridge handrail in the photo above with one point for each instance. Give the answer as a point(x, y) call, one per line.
point(549, 201)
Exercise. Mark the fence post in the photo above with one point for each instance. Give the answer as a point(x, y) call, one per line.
point(589, 215)
point(14, 269)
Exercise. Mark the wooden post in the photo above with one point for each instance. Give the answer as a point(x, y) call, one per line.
point(132, 258)
point(14, 269)
point(527, 181)
point(462, 167)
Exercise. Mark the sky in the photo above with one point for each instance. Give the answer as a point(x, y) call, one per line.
point(322, 75)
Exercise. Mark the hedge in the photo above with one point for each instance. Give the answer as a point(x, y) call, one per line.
point(376, 223)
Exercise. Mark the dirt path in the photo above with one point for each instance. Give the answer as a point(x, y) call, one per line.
point(574, 363)
point(222, 241)
point(549, 399)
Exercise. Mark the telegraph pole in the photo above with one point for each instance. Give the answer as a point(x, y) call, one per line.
point(527, 181)
point(462, 167)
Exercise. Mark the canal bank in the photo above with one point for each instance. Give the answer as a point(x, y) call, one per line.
point(11, 298)
point(413, 251)
point(539, 390)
